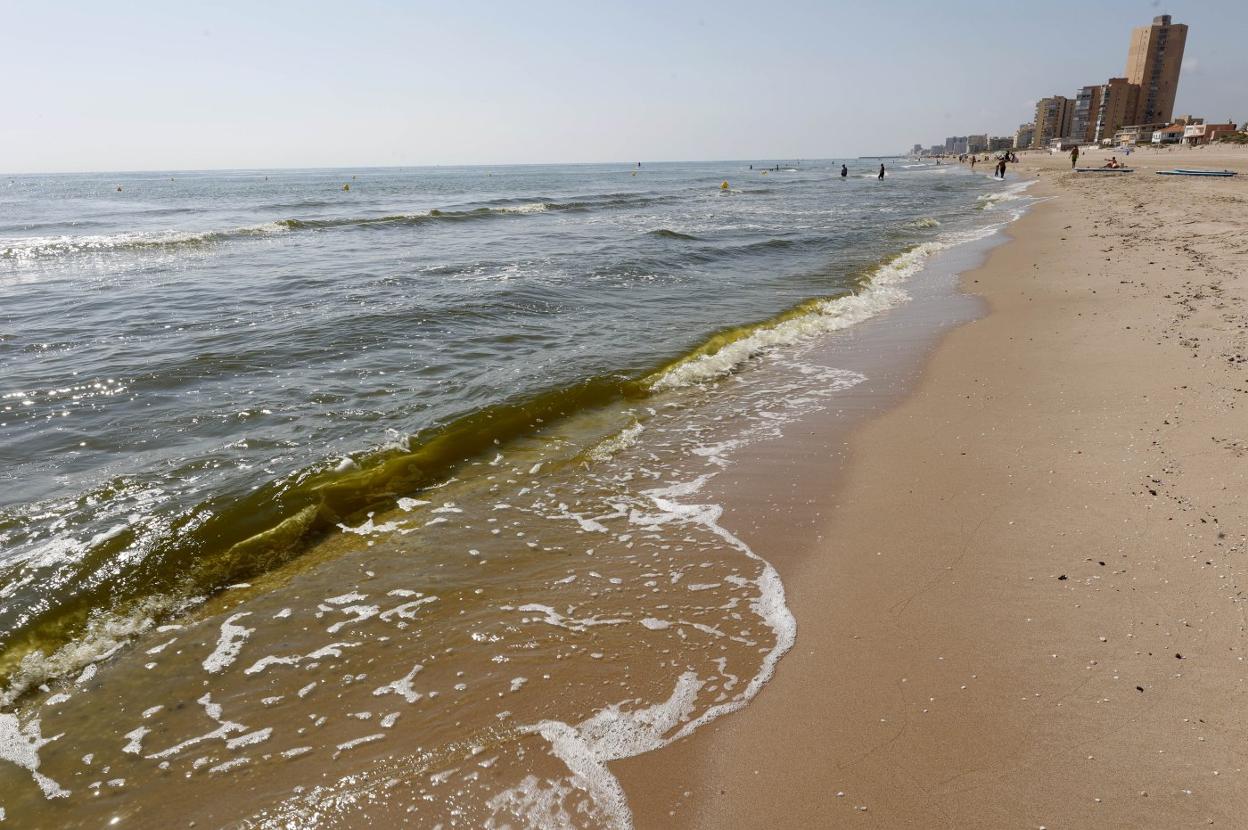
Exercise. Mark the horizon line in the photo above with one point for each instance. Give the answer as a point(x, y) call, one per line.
point(630, 164)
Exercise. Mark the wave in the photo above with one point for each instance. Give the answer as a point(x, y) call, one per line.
point(924, 222)
point(726, 351)
point(50, 247)
point(768, 245)
point(45, 247)
point(664, 233)
point(1009, 194)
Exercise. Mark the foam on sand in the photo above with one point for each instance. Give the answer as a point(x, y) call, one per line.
point(613, 733)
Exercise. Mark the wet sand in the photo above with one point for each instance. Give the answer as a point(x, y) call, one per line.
point(1019, 590)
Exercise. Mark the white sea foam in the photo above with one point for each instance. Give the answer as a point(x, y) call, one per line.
point(259, 736)
point(880, 294)
point(608, 735)
point(407, 610)
point(552, 617)
point(367, 739)
point(402, 686)
point(105, 634)
point(1010, 193)
point(225, 766)
point(20, 744)
point(224, 728)
point(360, 614)
point(614, 733)
point(229, 643)
point(135, 744)
point(368, 528)
point(343, 599)
point(531, 207)
point(32, 248)
point(331, 650)
point(623, 439)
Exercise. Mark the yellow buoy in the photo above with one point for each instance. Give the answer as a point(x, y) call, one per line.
point(346, 187)
point(764, 172)
point(724, 186)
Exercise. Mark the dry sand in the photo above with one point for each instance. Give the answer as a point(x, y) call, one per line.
point(1023, 601)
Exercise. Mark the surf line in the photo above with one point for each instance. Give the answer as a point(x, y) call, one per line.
point(612, 733)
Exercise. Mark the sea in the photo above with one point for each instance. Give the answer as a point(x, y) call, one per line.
point(335, 496)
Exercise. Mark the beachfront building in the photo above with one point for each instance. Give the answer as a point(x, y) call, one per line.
point(1023, 136)
point(1172, 134)
point(1134, 134)
point(1153, 62)
point(1115, 109)
point(1061, 145)
point(1000, 142)
point(1053, 116)
point(1083, 121)
point(977, 143)
point(1194, 134)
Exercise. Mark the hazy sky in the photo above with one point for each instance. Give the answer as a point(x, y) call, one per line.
point(167, 85)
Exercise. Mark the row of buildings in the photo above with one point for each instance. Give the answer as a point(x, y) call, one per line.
point(962, 144)
point(1135, 109)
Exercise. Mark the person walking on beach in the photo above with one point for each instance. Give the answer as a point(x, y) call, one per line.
point(881, 171)
point(1074, 158)
point(844, 171)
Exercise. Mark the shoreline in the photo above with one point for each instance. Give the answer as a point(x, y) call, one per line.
point(296, 664)
point(945, 674)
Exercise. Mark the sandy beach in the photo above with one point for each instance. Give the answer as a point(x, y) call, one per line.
point(1019, 590)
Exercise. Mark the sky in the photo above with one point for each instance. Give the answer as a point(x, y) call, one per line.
point(173, 86)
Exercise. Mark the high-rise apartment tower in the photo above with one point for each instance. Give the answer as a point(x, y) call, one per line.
point(1153, 62)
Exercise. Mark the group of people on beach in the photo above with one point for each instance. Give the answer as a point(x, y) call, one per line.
point(1112, 164)
point(1002, 161)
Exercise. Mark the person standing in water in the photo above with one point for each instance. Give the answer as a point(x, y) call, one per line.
point(881, 171)
point(844, 171)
